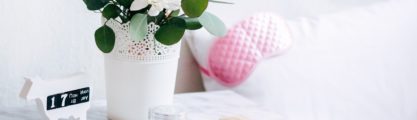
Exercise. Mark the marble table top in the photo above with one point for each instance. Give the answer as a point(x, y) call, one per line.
point(218, 105)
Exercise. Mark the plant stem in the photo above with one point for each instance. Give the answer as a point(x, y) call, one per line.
point(221, 2)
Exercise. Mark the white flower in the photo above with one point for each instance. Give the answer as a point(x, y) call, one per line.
point(156, 5)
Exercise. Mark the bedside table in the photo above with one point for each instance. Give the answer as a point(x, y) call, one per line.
point(218, 105)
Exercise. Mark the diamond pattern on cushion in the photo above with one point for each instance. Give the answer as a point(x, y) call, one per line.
point(232, 58)
point(235, 54)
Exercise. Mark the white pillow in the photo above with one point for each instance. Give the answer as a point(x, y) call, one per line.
point(358, 64)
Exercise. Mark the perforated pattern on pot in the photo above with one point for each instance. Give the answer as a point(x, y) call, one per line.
point(148, 50)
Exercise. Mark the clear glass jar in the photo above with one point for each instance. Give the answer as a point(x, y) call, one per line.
point(167, 112)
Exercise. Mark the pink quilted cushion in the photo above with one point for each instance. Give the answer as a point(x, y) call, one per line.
point(232, 58)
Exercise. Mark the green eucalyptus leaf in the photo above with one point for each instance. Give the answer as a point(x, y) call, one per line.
point(192, 23)
point(171, 32)
point(111, 11)
point(138, 27)
point(212, 24)
point(95, 4)
point(175, 13)
point(194, 8)
point(105, 38)
point(125, 3)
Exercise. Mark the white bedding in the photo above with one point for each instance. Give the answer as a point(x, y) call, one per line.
point(359, 63)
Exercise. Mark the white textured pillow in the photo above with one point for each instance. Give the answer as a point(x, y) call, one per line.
point(357, 64)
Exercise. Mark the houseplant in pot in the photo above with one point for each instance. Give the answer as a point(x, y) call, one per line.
point(140, 40)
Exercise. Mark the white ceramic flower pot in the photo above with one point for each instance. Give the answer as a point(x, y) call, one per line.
point(132, 88)
point(139, 75)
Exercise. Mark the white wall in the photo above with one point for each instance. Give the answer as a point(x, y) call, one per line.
point(48, 38)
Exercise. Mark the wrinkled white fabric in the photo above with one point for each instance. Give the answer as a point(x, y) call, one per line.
point(355, 64)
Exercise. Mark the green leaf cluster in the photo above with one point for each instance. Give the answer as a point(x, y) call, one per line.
point(172, 24)
point(172, 31)
point(194, 18)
